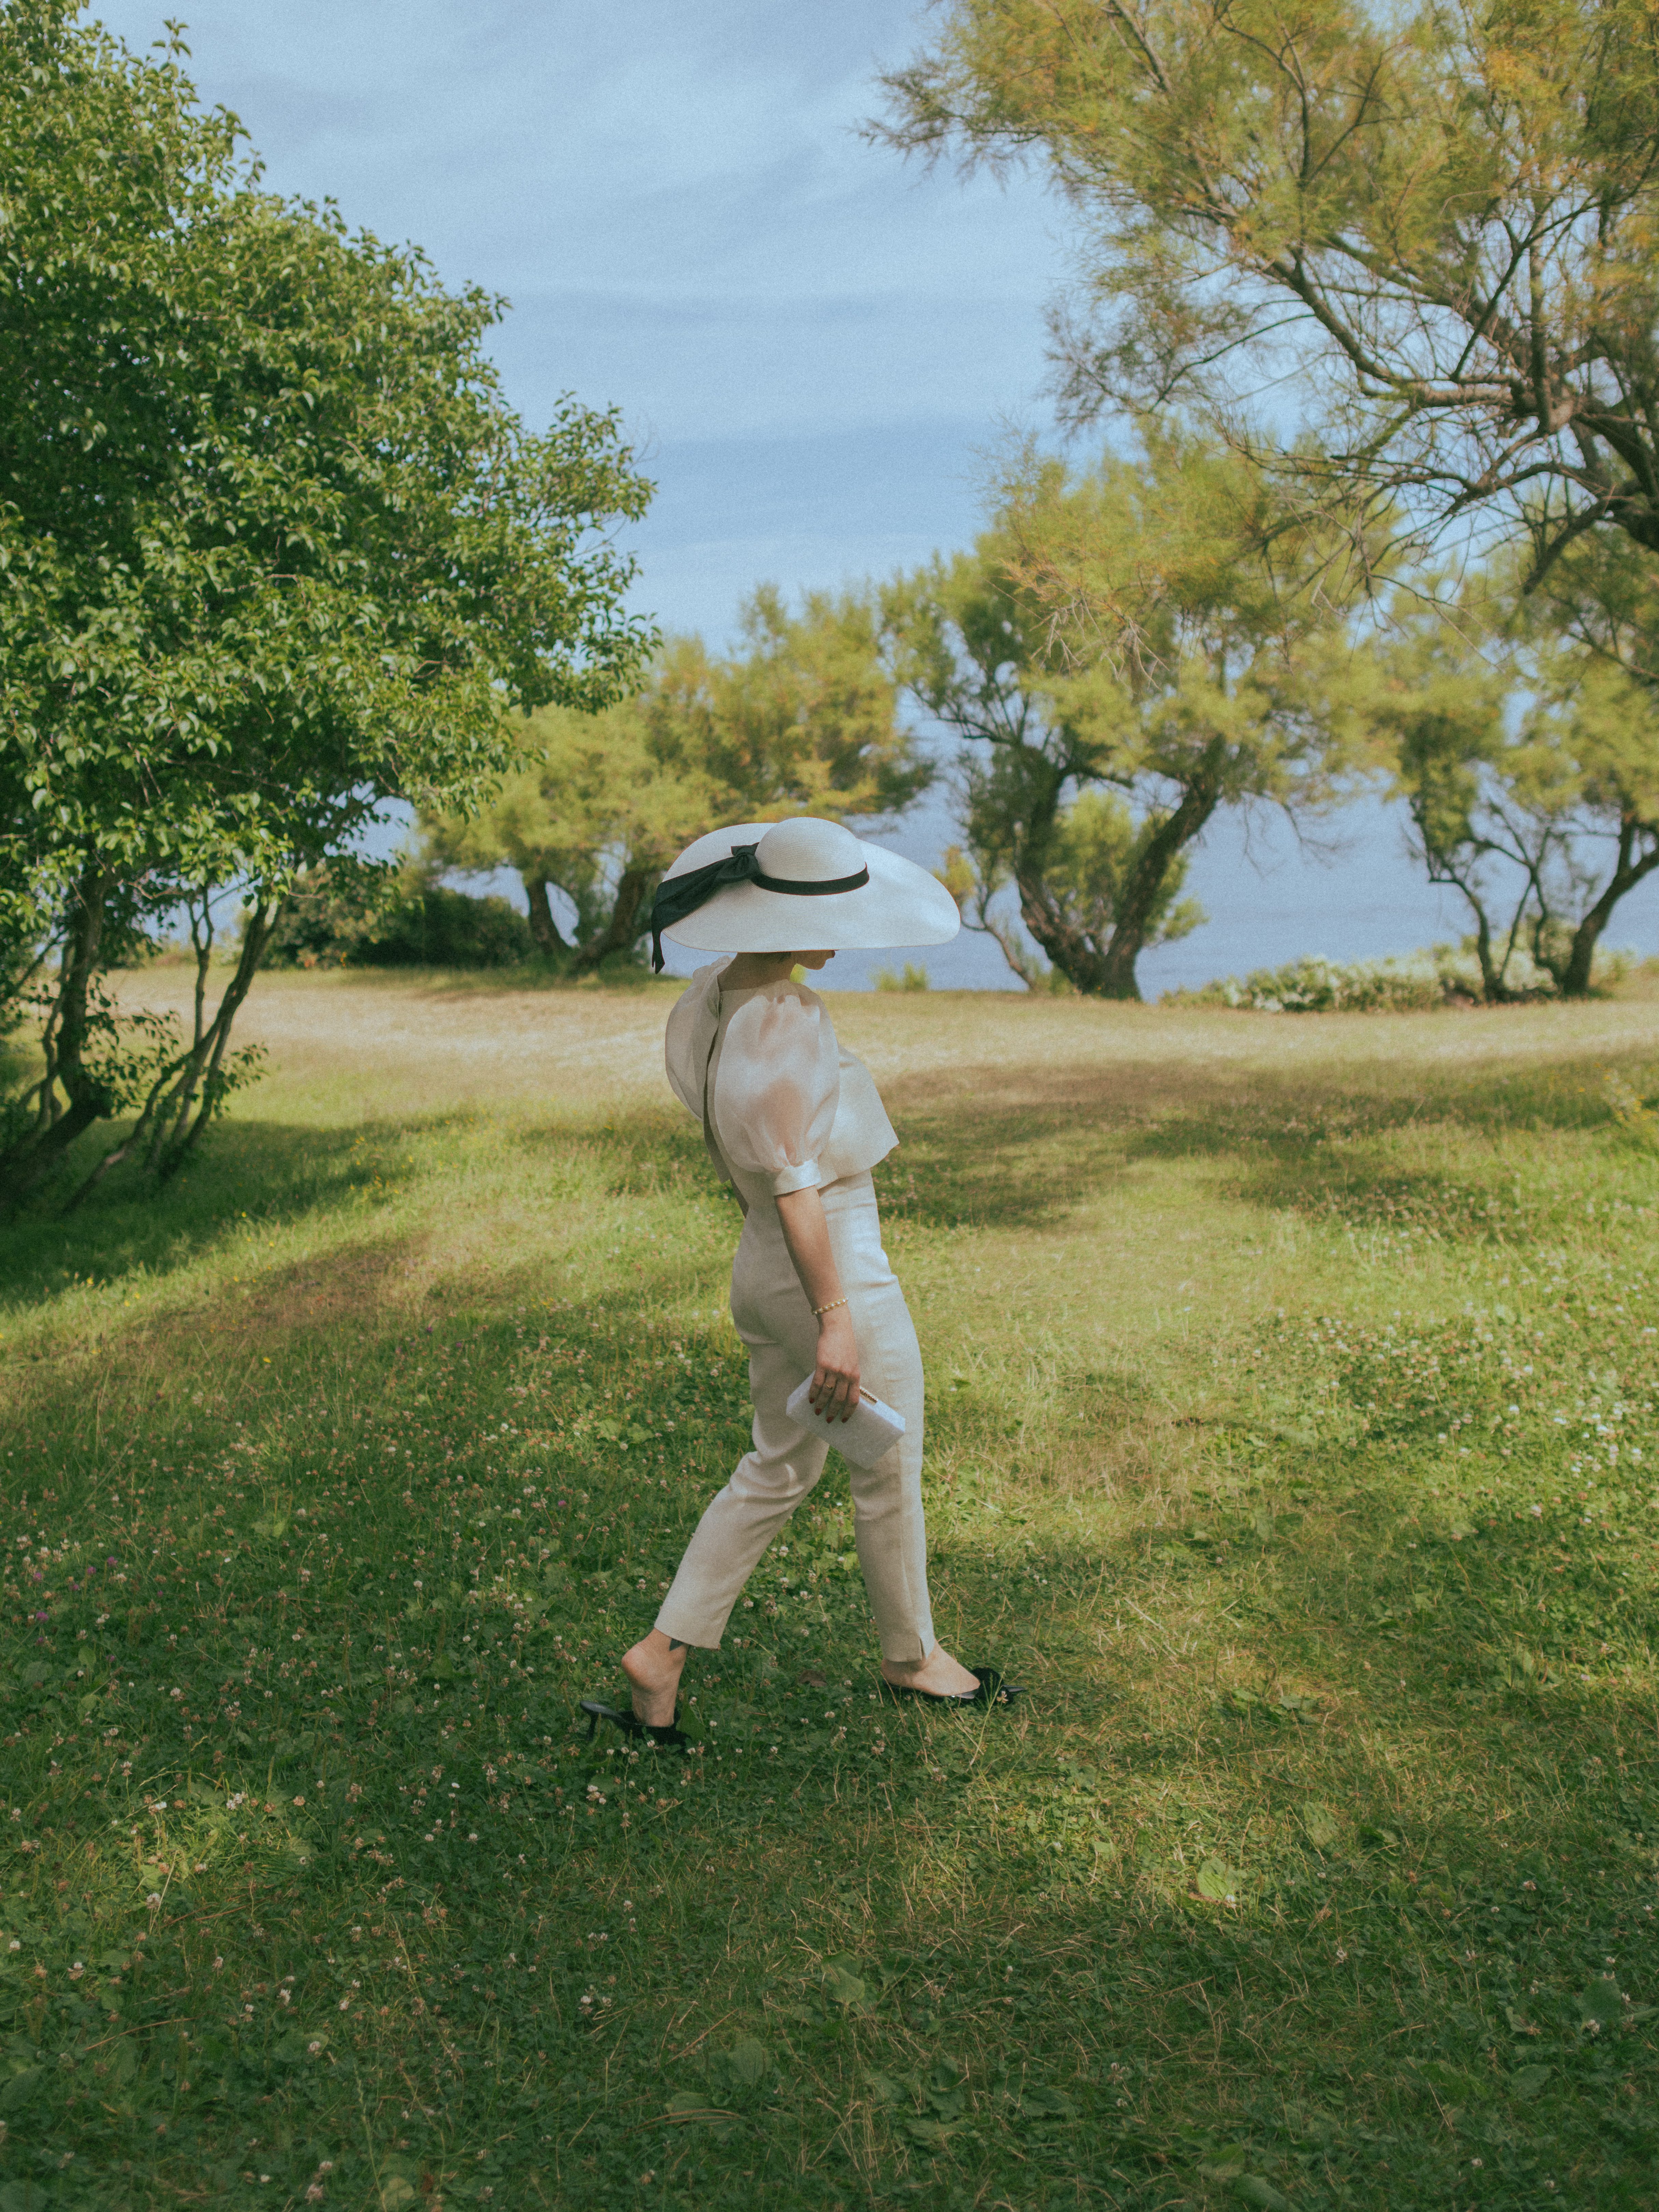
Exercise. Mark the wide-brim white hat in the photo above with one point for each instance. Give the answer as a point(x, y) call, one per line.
point(801, 885)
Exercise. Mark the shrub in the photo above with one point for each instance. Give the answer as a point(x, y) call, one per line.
point(1442, 976)
point(426, 926)
point(913, 979)
point(441, 929)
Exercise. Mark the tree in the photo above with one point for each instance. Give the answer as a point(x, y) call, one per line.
point(1529, 765)
point(1162, 627)
point(803, 718)
point(588, 812)
point(276, 551)
point(1440, 220)
point(1096, 853)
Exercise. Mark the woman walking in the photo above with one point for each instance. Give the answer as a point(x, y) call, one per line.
point(794, 1123)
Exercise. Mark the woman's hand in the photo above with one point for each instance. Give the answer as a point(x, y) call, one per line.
point(834, 1391)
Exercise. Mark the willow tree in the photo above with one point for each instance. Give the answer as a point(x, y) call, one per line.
point(1162, 631)
point(276, 551)
point(802, 717)
point(1432, 228)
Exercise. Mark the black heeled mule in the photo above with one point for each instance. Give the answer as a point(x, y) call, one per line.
point(994, 1689)
point(668, 1737)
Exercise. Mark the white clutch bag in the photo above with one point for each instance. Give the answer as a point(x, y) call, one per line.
point(873, 1430)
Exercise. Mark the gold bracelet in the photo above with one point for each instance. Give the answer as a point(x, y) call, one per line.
point(818, 1312)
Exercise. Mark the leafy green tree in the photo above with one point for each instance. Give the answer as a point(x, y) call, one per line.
point(276, 551)
point(1439, 222)
point(1162, 629)
point(1529, 763)
point(590, 812)
point(1097, 850)
point(802, 719)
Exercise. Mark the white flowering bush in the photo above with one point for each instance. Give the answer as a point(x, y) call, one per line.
point(1439, 975)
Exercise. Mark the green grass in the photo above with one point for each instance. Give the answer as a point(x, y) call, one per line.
point(1293, 1438)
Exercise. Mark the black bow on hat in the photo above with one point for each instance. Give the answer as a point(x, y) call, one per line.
point(679, 896)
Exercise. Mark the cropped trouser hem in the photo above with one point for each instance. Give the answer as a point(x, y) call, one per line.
point(776, 1321)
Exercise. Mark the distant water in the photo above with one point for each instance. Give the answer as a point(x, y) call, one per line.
point(1350, 892)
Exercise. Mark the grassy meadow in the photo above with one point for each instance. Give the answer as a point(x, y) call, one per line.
point(1292, 1439)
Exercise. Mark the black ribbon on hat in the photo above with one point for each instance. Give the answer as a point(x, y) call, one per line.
point(679, 896)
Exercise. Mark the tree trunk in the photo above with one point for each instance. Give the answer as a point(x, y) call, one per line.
point(1067, 947)
point(1110, 972)
point(1573, 980)
point(623, 926)
point(164, 1129)
point(1441, 866)
point(543, 927)
point(34, 1155)
point(1491, 983)
point(1162, 850)
point(203, 1088)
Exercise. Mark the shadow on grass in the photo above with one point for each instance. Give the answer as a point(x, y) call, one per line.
point(1198, 1104)
point(1364, 1194)
point(277, 1173)
point(977, 1158)
point(1012, 1954)
point(248, 1170)
point(536, 977)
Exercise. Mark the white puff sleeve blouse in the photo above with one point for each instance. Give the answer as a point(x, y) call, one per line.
point(787, 1107)
point(775, 1088)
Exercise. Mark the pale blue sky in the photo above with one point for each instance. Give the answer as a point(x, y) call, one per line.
point(808, 338)
point(811, 343)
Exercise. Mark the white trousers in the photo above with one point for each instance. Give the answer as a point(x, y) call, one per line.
point(776, 1321)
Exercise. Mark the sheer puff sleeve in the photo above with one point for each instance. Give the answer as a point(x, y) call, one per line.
point(776, 1088)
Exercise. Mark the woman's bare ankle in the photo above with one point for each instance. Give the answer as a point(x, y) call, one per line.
point(653, 1667)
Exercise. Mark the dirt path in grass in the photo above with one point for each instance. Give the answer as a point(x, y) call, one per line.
point(447, 1040)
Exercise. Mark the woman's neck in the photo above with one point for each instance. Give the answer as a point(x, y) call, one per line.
point(751, 971)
